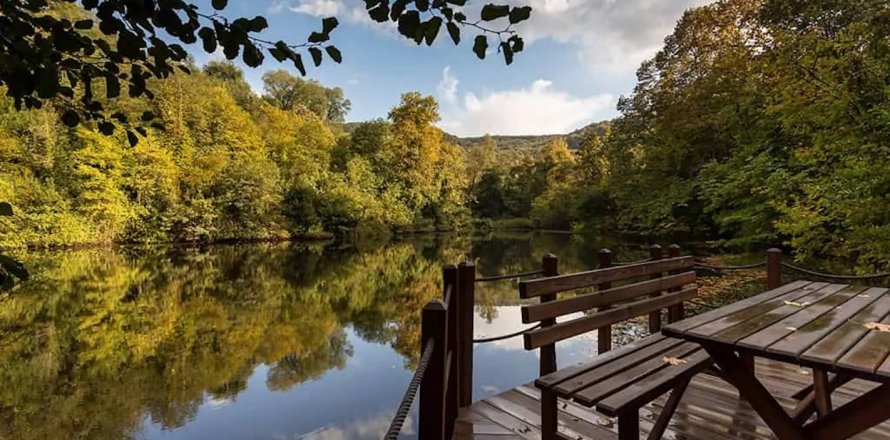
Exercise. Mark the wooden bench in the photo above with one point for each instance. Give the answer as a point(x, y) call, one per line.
point(616, 383)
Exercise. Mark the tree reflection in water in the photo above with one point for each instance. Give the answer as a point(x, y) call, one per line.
point(100, 339)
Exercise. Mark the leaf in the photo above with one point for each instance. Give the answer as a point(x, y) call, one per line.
point(454, 32)
point(5, 209)
point(673, 361)
point(409, 22)
point(316, 55)
point(334, 53)
point(431, 30)
point(298, 63)
point(219, 5)
point(106, 128)
point(493, 12)
point(881, 327)
point(520, 14)
point(208, 39)
point(318, 37)
point(796, 304)
point(793, 329)
point(258, 23)
point(14, 267)
point(131, 138)
point(602, 421)
point(329, 24)
point(70, 118)
point(508, 53)
point(480, 46)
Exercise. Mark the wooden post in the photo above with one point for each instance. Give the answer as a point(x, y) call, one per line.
point(452, 303)
point(675, 312)
point(773, 268)
point(550, 265)
point(655, 317)
point(467, 282)
point(604, 334)
point(433, 328)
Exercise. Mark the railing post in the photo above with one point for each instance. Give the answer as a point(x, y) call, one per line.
point(550, 266)
point(467, 303)
point(604, 334)
point(655, 317)
point(773, 268)
point(452, 302)
point(675, 312)
point(433, 328)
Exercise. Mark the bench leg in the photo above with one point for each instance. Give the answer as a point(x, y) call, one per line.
point(629, 425)
point(549, 415)
point(822, 389)
point(668, 412)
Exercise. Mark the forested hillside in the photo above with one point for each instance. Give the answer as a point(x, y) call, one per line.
point(761, 122)
point(227, 165)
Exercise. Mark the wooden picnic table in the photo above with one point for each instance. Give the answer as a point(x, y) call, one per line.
point(835, 329)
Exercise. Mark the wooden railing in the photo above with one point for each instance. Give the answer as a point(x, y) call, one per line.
point(447, 326)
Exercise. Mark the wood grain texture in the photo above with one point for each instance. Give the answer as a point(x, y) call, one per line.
point(564, 283)
point(709, 410)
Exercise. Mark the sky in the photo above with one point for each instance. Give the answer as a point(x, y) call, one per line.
point(580, 56)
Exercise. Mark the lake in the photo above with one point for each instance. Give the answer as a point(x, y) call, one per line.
point(252, 341)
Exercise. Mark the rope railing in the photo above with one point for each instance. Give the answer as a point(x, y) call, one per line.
point(829, 276)
point(508, 276)
point(507, 336)
point(408, 399)
point(628, 263)
point(700, 264)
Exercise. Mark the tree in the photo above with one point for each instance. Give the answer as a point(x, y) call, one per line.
point(288, 92)
point(59, 52)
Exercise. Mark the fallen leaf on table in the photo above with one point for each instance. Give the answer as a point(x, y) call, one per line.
point(673, 361)
point(877, 326)
point(796, 304)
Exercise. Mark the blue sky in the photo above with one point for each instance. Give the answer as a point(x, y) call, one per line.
point(580, 56)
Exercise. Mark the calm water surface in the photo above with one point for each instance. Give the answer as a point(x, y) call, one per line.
point(285, 341)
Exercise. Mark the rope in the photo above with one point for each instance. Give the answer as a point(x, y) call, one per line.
point(835, 277)
point(408, 399)
point(701, 304)
point(508, 276)
point(628, 263)
point(511, 335)
point(742, 267)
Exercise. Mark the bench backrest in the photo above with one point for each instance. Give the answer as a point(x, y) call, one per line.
point(645, 288)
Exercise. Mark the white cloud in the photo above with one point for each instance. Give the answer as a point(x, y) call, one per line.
point(362, 429)
point(612, 36)
point(538, 109)
point(447, 88)
point(315, 8)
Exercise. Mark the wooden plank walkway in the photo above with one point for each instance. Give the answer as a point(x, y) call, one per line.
point(710, 410)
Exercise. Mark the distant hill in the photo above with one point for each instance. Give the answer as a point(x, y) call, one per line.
point(532, 142)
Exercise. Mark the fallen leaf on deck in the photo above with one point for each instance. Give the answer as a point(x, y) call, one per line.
point(602, 421)
point(877, 326)
point(794, 329)
point(673, 361)
point(863, 296)
point(796, 304)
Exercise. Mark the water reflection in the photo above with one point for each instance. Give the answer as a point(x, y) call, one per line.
point(246, 341)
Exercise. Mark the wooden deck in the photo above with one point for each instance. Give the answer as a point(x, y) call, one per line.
point(710, 410)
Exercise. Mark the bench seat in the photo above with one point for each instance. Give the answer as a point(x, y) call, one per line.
point(628, 378)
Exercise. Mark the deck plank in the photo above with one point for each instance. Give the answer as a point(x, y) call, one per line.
point(710, 410)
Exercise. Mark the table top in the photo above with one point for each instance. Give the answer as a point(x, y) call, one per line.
point(833, 327)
